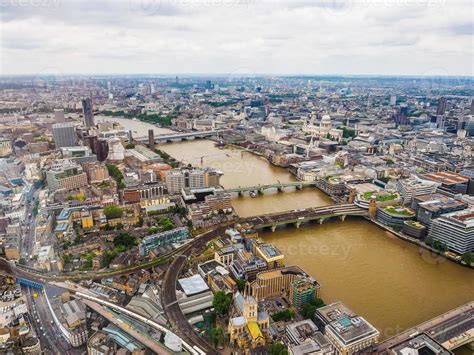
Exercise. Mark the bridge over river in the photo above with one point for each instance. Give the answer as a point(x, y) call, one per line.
point(279, 186)
point(297, 217)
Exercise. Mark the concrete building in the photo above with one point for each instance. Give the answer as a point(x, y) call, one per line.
point(279, 283)
point(59, 115)
point(420, 344)
point(415, 186)
point(305, 338)
point(176, 180)
point(450, 181)
point(272, 256)
point(394, 216)
point(348, 332)
point(64, 134)
point(65, 175)
point(431, 206)
point(455, 230)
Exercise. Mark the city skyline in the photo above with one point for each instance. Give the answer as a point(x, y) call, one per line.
point(239, 37)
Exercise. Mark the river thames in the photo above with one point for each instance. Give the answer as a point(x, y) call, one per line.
point(392, 283)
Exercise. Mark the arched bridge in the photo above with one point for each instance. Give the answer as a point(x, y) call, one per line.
point(279, 186)
point(297, 217)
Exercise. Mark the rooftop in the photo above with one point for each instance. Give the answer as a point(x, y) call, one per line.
point(447, 177)
point(193, 285)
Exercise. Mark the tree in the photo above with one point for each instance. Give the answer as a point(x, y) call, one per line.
point(67, 258)
point(112, 212)
point(240, 284)
point(468, 258)
point(310, 308)
point(221, 302)
point(285, 315)
point(124, 239)
point(277, 349)
point(130, 146)
point(217, 336)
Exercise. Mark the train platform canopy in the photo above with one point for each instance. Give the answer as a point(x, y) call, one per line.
point(193, 285)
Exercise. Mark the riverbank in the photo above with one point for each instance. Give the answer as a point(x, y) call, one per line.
point(419, 243)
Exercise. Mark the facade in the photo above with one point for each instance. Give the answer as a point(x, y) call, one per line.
point(431, 206)
point(66, 175)
point(348, 332)
point(5, 147)
point(394, 216)
point(414, 229)
point(96, 172)
point(279, 282)
point(246, 266)
point(409, 188)
point(64, 134)
point(136, 194)
point(272, 256)
point(176, 180)
point(88, 112)
point(303, 291)
point(305, 338)
point(455, 230)
point(450, 181)
point(151, 242)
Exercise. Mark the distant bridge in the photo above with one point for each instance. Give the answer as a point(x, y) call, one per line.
point(297, 217)
point(279, 186)
point(176, 137)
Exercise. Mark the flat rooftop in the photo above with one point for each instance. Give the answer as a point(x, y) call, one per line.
point(435, 202)
point(421, 344)
point(344, 324)
point(447, 177)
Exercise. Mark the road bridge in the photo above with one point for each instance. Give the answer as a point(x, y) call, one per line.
point(278, 186)
point(177, 137)
point(297, 217)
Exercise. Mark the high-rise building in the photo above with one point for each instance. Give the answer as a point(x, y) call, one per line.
point(59, 115)
point(151, 139)
point(87, 110)
point(64, 134)
point(472, 106)
point(393, 100)
point(442, 106)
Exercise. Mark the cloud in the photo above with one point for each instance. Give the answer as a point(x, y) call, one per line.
point(224, 36)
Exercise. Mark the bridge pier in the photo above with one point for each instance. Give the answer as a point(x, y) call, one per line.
point(297, 224)
point(273, 228)
point(280, 189)
point(260, 191)
point(299, 187)
point(240, 193)
point(343, 217)
point(321, 220)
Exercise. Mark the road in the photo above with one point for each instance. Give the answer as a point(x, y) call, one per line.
point(178, 320)
point(50, 336)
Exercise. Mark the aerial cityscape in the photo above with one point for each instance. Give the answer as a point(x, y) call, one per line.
point(237, 177)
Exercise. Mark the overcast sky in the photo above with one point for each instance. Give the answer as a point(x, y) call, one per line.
point(389, 37)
